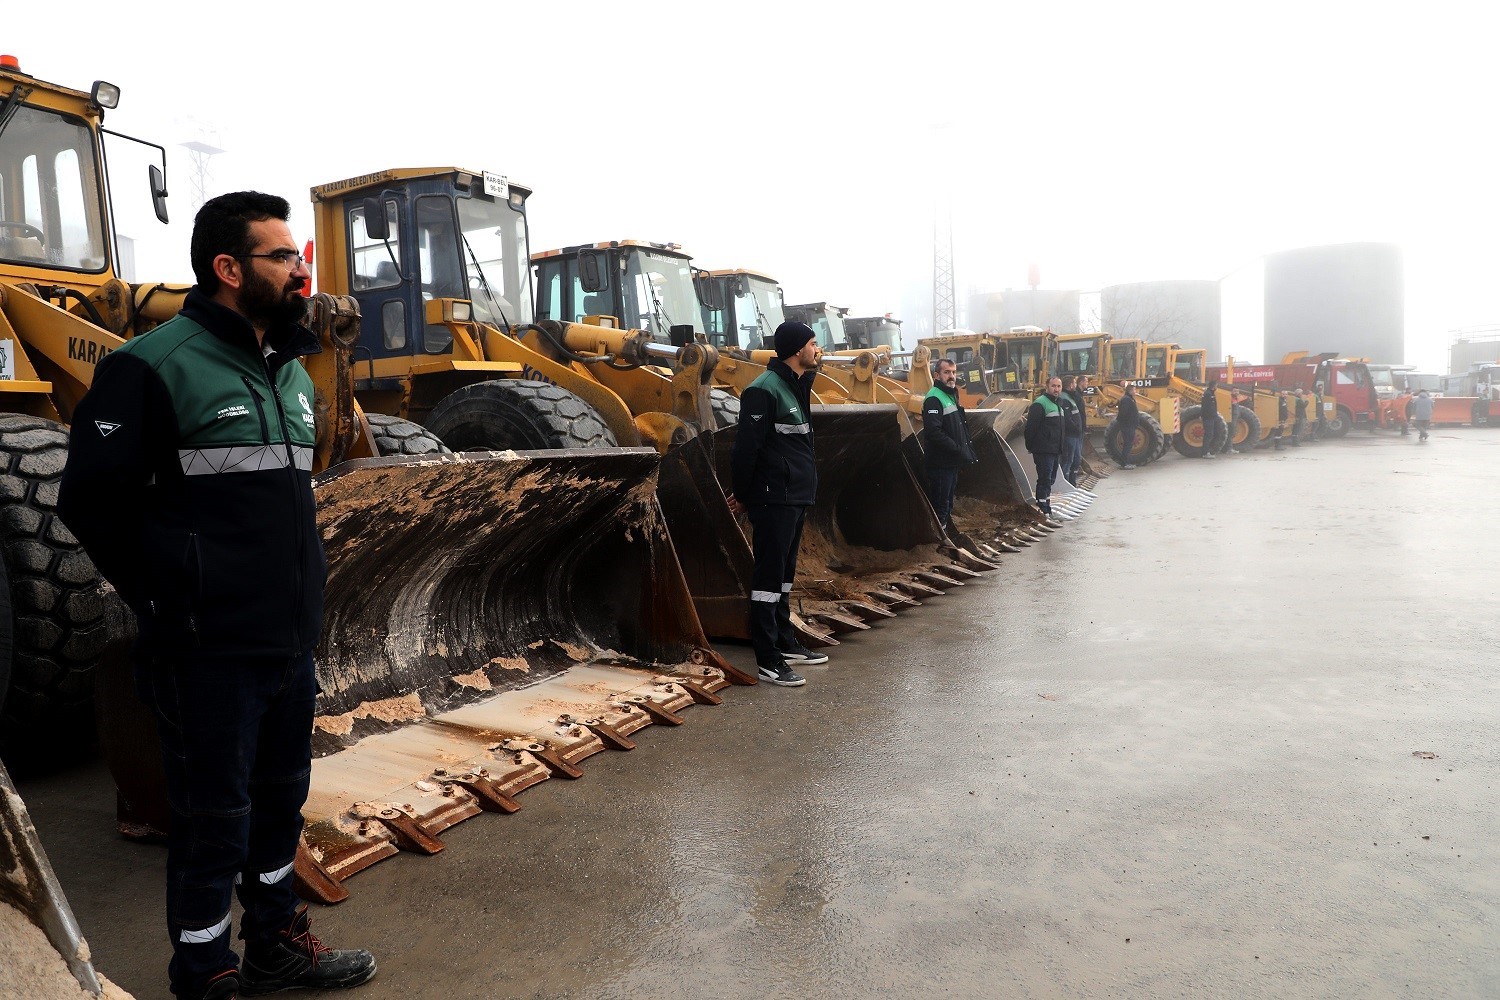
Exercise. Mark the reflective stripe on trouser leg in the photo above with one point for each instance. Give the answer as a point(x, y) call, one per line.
point(786, 636)
point(278, 789)
point(775, 535)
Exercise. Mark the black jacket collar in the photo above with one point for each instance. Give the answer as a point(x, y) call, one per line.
point(290, 341)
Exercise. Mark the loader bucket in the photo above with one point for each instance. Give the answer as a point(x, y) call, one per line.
point(870, 542)
point(50, 956)
point(714, 554)
point(491, 620)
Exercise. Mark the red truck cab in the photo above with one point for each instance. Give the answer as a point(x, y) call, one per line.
point(1344, 384)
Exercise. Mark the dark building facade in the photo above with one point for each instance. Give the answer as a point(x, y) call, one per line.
point(1349, 298)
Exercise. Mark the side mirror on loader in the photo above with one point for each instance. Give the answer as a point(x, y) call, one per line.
point(158, 191)
point(375, 221)
point(588, 272)
point(708, 291)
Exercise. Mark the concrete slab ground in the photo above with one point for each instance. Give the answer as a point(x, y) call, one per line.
point(1178, 749)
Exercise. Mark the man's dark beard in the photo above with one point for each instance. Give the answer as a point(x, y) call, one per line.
point(267, 304)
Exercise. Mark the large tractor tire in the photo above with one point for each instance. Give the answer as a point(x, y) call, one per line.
point(1338, 425)
point(62, 616)
point(7, 629)
point(517, 414)
point(396, 437)
point(1142, 450)
point(726, 407)
point(1190, 440)
point(1245, 433)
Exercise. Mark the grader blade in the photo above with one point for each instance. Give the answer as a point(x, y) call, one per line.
point(491, 620)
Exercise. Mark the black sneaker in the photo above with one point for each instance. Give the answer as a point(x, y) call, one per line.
point(296, 959)
point(803, 655)
point(783, 675)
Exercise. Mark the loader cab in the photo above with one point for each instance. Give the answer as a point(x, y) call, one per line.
point(1126, 360)
point(411, 236)
point(1080, 355)
point(1033, 351)
point(55, 225)
point(643, 286)
point(741, 308)
point(1159, 360)
point(868, 332)
point(1190, 366)
point(827, 323)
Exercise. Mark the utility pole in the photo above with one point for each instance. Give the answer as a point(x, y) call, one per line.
point(203, 150)
point(944, 311)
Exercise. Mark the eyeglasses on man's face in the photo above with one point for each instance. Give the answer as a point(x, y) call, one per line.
point(289, 259)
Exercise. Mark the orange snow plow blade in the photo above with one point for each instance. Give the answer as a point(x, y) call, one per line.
point(491, 620)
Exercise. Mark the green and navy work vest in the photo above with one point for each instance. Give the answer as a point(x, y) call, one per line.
point(945, 434)
point(773, 460)
point(189, 484)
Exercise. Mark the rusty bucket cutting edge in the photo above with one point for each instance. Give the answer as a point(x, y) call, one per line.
point(539, 590)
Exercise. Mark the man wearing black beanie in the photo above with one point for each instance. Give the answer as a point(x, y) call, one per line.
point(775, 481)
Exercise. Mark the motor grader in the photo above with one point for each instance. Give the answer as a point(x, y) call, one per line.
point(490, 620)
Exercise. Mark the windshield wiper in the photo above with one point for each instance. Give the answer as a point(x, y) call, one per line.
point(12, 103)
point(484, 282)
point(657, 309)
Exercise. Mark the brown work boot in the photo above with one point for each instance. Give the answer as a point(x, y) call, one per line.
point(295, 959)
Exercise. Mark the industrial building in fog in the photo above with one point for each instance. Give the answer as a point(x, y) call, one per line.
point(1049, 308)
point(1349, 298)
point(1165, 312)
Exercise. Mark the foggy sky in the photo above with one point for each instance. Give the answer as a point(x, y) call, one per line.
point(1109, 143)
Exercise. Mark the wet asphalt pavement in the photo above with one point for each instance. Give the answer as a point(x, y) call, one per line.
point(1170, 751)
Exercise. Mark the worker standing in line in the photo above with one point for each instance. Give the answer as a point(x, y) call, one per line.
point(189, 484)
point(1299, 425)
point(1044, 439)
point(1209, 413)
point(775, 480)
point(1127, 416)
point(1421, 414)
point(945, 440)
point(1075, 427)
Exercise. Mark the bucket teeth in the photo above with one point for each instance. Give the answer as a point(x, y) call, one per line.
point(866, 610)
point(409, 834)
point(893, 599)
point(700, 695)
point(312, 881)
point(933, 579)
point(491, 797)
point(839, 623)
point(659, 713)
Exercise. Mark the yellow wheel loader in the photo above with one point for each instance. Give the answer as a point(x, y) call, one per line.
point(437, 260)
point(490, 619)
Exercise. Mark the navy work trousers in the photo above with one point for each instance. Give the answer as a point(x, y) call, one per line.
point(1046, 475)
point(1072, 458)
point(777, 531)
point(236, 736)
point(942, 484)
